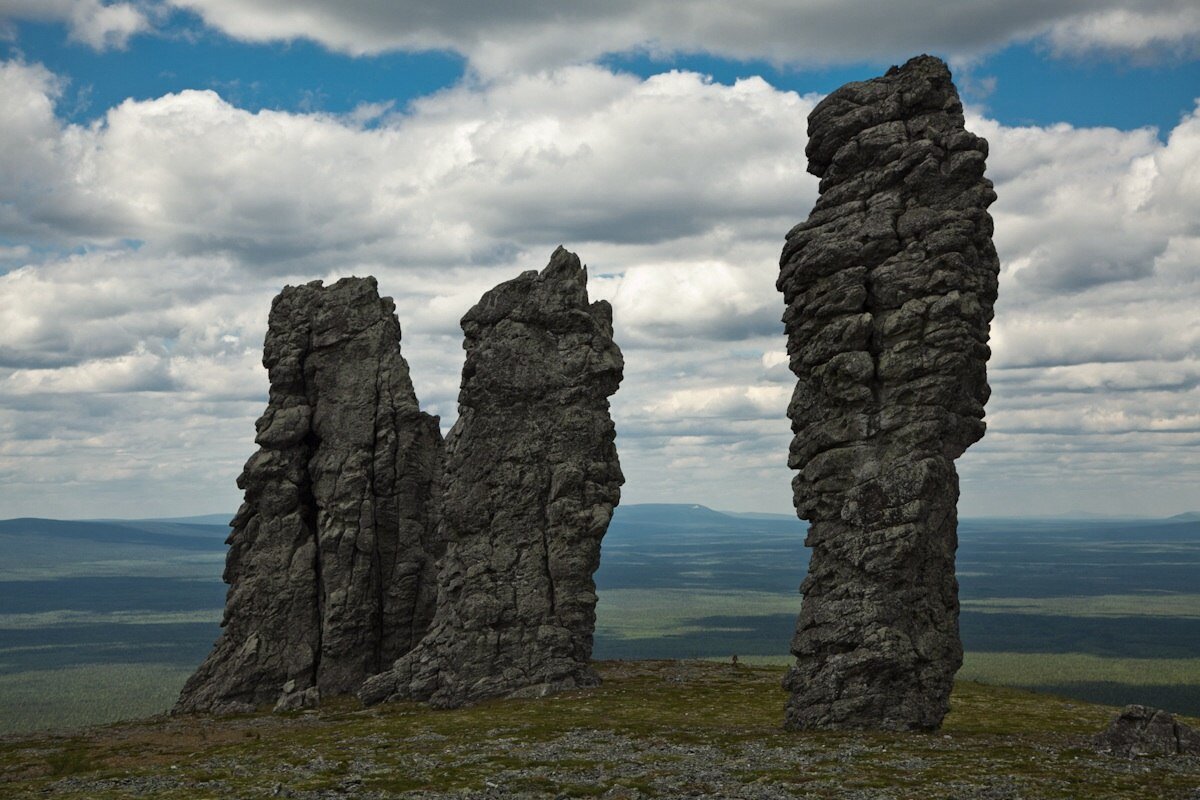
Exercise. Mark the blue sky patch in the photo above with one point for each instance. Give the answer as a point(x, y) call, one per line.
point(297, 76)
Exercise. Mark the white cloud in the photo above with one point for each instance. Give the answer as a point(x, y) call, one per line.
point(100, 26)
point(107, 304)
point(1077, 208)
point(1146, 31)
point(704, 300)
point(1095, 339)
point(138, 371)
point(536, 34)
point(724, 402)
point(129, 370)
point(582, 155)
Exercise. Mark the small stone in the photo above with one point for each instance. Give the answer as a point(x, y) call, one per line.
point(298, 700)
point(1143, 731)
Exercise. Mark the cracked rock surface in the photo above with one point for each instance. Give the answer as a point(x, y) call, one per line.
point(531, 480)
point(889, 287)
point(331, 566)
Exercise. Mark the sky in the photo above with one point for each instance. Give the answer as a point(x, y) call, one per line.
point(167, 166)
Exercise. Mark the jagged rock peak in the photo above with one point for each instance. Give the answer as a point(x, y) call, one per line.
point(889, 286)
point(331, 563)
point(530, 484)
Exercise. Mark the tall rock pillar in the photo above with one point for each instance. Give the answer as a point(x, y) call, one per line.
point(889, 286)
point(331, 561)
point(531, 481)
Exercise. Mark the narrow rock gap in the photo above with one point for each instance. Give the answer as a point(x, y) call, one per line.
point(310, 515)
point(377, 575)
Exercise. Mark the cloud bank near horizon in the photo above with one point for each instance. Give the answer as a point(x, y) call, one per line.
point(140, 253)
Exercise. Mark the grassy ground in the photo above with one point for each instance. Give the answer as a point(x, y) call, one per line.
point(654, 729)
point(644, 614)
point(86, 695)
point(92, 694)
point(1047, 669)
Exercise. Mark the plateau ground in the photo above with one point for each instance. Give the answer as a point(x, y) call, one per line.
point(663, 729)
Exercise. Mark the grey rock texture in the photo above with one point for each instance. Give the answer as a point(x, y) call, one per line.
point(331, 563)
point(1142, 731)
point(531, 480)
point(889, 287)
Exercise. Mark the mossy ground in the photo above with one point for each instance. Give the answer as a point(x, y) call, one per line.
point(653, 729)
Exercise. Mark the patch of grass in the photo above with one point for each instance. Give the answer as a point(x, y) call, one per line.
point(91, 694)
point(656, 613)
point(1048, 669)
point(71, 759)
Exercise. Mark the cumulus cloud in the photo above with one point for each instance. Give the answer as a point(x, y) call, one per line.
point(583, 155)
point(139, 371)
point(142, 251)
point(1143, 31)
point(535, 34)
point(1095, 341)
point(100, 26)
point(1061, 181)
point(109, 304)
point(704, 300)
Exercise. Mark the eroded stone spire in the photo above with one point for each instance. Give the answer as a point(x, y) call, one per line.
point(889, 287)
point(331, 561)
point(531, 481)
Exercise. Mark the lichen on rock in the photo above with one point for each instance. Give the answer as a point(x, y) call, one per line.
point(889, 286)
point(332, 556)
point(531, 480)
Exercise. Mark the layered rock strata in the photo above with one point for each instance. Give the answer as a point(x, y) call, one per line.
point(332, 556)
point(889, 287)
point(530, 484)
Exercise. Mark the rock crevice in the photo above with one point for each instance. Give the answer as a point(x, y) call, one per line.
point(889, 287)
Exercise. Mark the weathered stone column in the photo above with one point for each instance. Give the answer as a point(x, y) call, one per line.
point(332, 556)
point(889, 287)
point(531, 481)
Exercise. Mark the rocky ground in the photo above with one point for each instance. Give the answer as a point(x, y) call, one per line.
point(654, 729)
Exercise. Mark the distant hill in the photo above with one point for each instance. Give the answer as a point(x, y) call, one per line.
point(669, 521)
point(181, 536)
point(50, 549)
point(1187, 516)
point(668, 514)
point(199, 519)
point(759, 515)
